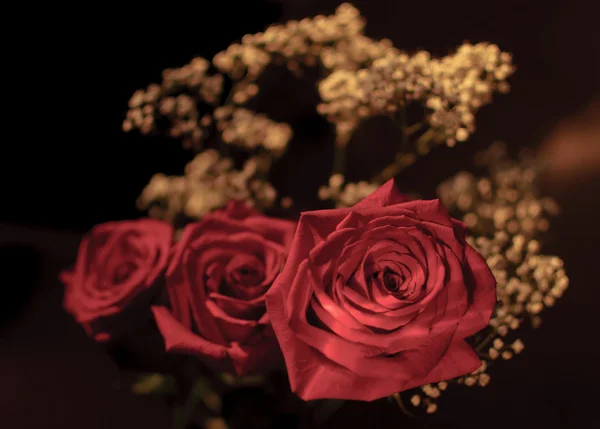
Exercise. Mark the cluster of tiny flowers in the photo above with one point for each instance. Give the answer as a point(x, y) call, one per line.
point(505, 215)
point(209, 183)
point(507, 200)
point(348, 195)
point(343, 103)
point(250, 130)
point(464, 82)
point(451, 89)
point(364, 77)
point(180, 104)
point(356, 52)
point(293, 43)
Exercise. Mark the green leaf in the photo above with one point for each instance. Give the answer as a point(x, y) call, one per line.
point(250, 380)
point(154, 384)
point(201, 393)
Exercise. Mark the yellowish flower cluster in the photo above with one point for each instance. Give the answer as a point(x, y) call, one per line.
point(464, 82)
point(293, 43)
point(250, 130)
point(348, 195)
point(209, 183)
point(363, 78)
point(355, 52)
point(451, 88)
point(505, 200)
point(180, 104)
point(343, 103)
point(505, 215)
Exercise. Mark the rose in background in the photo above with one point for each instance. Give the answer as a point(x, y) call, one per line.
point(118, 264)
point(378, 298)
point(217, 278)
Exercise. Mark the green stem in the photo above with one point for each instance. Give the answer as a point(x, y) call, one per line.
point(411, 129)
point(403, 128)
point(486, 341)
point(401, 405)
point(426, 137)
point(339, 159)
point(403, 158)
point(183, 415)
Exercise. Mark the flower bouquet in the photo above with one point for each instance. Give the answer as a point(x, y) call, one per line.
point(228, 295)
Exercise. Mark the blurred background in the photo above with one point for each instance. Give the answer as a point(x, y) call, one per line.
point(91, 172)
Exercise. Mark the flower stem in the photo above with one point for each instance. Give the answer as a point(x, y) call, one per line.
point(401, 405)
point(486, 341)
point(411, 129)
point(200, 394)
point(403, 156)
point(403, 128)
point(339, 159)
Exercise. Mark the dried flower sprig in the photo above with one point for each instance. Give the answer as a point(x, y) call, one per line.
point(292, 43)
point(180, 105)
point(362, 78)
point(506, 215)
point(345, 195)
point(451, 89)
point(244, 128)
point(209, 183)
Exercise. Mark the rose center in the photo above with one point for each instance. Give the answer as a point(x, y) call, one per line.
point(392, 281)
point(123, 272)
point(246, 276)
point(244, 271)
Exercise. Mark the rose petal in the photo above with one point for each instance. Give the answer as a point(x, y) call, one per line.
point(180, 339)
point(459, 359)
point(238, 308)
point(233, 329)
point(481, 289)
point(308, 369)
point(386, 195)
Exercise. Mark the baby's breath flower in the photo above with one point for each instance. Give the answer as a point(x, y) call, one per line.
point(431, 408)
point(518, 346)
point(453, 88)
point(244, 128)
point(287, 202)
point(498, 210)
point(348, 195)
point(294, 43)
point(209, 183)
point(179, 105)
point(484, 379)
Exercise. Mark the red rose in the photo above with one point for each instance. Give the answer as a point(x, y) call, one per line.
point(377, 298)
point(116, 264)
point(217, 279)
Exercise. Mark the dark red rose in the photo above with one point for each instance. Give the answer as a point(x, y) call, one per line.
point(217, 279)
point(378, 298)
point(117, 264)
point(236, 209)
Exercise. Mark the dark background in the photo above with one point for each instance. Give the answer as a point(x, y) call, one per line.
point(90, 172)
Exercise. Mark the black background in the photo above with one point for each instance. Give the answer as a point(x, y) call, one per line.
point(88, 171)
